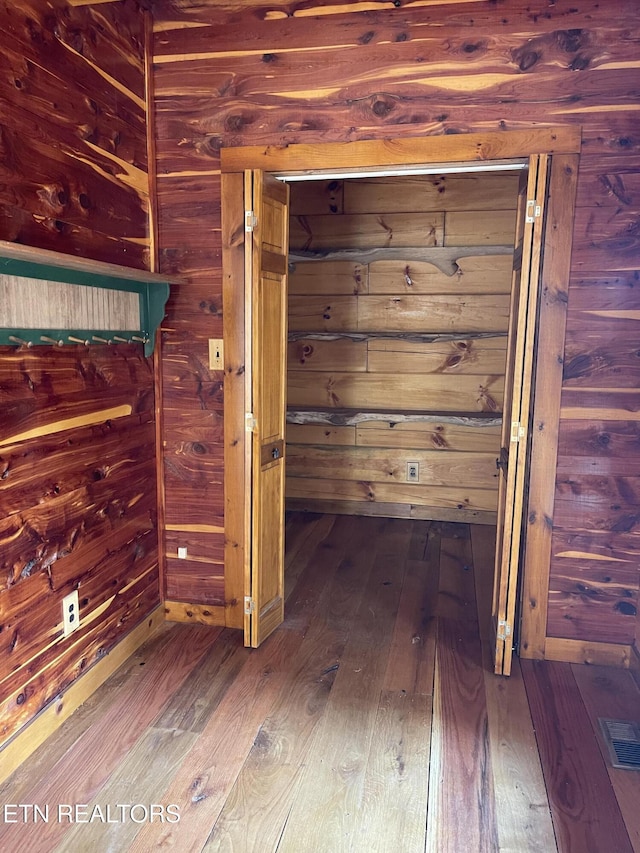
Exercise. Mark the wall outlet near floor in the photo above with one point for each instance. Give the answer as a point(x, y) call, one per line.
point(70, 612)
point(413, 472)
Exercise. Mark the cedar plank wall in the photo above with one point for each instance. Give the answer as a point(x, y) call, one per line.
point(77, 504)
point(450, 389)
point(284, 72)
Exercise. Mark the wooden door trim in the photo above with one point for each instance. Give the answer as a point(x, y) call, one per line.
point(235, 434)
point(564, 143)
point(425, 150)
point(552, 319)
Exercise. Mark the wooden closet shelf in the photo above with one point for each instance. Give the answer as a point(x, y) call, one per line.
point(349, 417)
point(442, 257)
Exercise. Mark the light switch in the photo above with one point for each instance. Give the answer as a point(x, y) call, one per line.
point(216, 360)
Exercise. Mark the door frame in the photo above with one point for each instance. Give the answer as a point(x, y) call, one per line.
point(371, 157)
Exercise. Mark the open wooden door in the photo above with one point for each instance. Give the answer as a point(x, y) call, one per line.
point(513, 461)
point(266, 249)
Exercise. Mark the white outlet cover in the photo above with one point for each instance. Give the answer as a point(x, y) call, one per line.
point(70, 612)
point(182, 553)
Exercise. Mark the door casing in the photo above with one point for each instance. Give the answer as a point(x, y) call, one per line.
point(373, 156)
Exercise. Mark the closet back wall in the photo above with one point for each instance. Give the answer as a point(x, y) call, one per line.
point(420, 345)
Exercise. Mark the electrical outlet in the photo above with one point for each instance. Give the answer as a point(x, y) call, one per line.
point(413, 472)
point(182, 553)
point(216, 360)
point(70, 612)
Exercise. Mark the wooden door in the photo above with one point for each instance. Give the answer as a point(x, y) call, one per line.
point(266, 248)
point(513, 460)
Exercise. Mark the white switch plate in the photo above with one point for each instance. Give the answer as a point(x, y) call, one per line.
point(70, 612)
point(182, 553)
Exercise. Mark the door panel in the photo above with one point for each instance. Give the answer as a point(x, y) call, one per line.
point(513, 460)
point(266, 355)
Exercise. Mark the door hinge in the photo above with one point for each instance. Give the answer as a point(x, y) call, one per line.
point(250, 422)
point(534, 210)
point(517, 431)
point(504, 629)
point(250, 220)
point(249, 605)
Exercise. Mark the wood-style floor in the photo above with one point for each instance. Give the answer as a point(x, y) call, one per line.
point(370, 721)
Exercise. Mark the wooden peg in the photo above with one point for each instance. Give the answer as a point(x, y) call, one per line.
point(19, 341)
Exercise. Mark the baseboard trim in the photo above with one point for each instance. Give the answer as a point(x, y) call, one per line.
point(391, 510)
point(51, 717)
point(204, 614)
point(581, 651)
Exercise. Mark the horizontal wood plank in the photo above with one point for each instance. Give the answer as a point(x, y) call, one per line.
point(481, 274)
point(437, 468)
point(414, 392)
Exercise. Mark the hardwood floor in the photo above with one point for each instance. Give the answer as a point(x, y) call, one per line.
point(370, 721)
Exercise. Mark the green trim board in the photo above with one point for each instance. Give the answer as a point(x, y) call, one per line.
point(24, 262)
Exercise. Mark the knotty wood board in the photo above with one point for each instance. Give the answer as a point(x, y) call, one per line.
point(109, 739)
point(368, 313)
point(438, 468)
point(367, 230)
point(206, 777)
point(58, 665)
point(523, 818)
point(482, 356)
point(206, 685)
point(575, 773)
point(391, 510)
point(319, 197)
point(259, 805)
point(318, 434)
point(613, 694)
point(428, 436)
point(397, 765)
point(410, 668)
point(414, 193)
point(415, 392)
point(79, 183)
point(481, 274)
point(461, 802)
point(455, 496)
point(303, 533)
point(155, 756)
point(307, 354)
point(479, 227)
point(334, 774)
point(335, 277)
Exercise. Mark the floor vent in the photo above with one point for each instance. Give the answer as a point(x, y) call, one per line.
point(623, 741)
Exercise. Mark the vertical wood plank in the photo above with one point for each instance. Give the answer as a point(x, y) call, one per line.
point(461, 795)
point(522, 810)
point(586, 815)
point(235, 434)
point(546, 406)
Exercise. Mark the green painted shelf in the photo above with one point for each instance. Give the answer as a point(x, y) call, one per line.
point(23, 269)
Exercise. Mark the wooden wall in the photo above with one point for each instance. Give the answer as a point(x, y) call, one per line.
point(423, 348)
point(254, 73)
point(77, 431)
